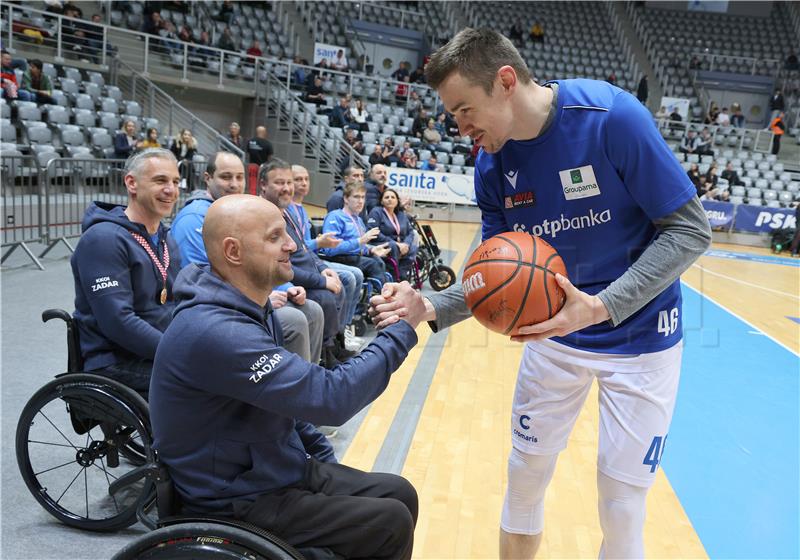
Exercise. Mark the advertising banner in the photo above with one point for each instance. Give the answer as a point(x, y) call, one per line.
point(758, 219)
point(328, 52)
point(432, 186)
point(720, 214)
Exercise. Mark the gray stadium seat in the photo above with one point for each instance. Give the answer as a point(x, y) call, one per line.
point(9, 132)
point(28, 112)
point(132, 108)
point(85, 117)
point(57, 114)
point(109, 105)
point(84, 101)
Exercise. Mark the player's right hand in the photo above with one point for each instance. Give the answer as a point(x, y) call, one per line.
point(396, 302)
point(277, 299)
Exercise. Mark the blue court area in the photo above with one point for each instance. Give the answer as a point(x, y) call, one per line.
point(733, 447)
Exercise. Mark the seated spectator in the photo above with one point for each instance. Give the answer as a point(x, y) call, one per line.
point(234, 136)
point(730, 175)
point(711, 176)
point(254, 50)
point(124, 268)
point(414, 104)
point(705, 143)
point(314, 93)
point(206, 389)
point(537, 33)
point(358, 116)
point(689, 144)
point(661, 113)
point(791, 61)
point(431, 136)
point(205, 41)
point(376, 157)
point(713, 113)
point(169, 38)
point(185, 34)
point(395, 229)
point(259, 149)
point(694, 63)
point(694, 176)
point(347, 225)
point(150, 140)
point(375, 185)
point(340, 116)
point(37, 84)
point(184, 146)
point(226, 12)
point(226, 41)
point(418, 76)
point(340, 62)
point(724, 119)
point(94, 37)
point(125, 141)
point(410, 159)
point(420, 123)
point(10, 88)
point(707, 191)
point(441, 125)
point(430, 164)
point(675, 116)
point(299, 74)
point(153, 24)
point(351, 139)
point(402, 91)
point(390, 154)
point(737, 119)
point(515, 33)
point(349, 175)
point(401, 73)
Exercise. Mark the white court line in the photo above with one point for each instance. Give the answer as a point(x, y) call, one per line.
point(743, 320)
point(732, 279)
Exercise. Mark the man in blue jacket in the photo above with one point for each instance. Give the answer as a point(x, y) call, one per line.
point(124, 268)
point(233, 412)
point(300, 319)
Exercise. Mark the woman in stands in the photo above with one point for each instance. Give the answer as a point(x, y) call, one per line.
point(394, 229)
point(150, 139)
point(354, 250)
point(694, 175)
point(125, 142)
point(359, 116)
point(185, 147)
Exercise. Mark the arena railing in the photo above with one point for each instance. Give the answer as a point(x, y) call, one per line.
point(753, 139)
point(21, 184)
point(715, 60)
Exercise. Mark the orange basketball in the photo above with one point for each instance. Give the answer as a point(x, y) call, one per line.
point(510, 282)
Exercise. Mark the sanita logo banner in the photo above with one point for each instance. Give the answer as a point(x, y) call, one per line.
point(432, 186)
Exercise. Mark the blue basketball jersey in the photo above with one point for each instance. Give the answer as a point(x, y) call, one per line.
point(591, 185)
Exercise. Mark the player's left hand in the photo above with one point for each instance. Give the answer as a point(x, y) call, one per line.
point(580, 311)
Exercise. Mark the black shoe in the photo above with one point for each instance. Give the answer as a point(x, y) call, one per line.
point(329, 360)
point(340, 350)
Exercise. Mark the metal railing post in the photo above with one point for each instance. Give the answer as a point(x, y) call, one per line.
point(185, 76)
point(146, 53)
point(59, 46)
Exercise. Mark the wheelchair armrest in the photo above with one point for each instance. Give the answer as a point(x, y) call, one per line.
point(48, 314)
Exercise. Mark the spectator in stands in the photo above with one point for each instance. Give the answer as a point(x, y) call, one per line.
point(300, 319)
point(73, 33)
point(776, 103)
point(418, 76)
point(185, 34)
point(711, 175)
point(37, 84)
point(401, 73)
point(705, 190)
point(314, 93)
point(414, 104)
point(299, 74)
point(169, 38)
point(259, 149)
point(403, 90)
point(441, 125)
point(791, 61)
point(395, 230)
point(689, 144)
point(125, 141)
point(778, 127)
point(226, 12)
point(254, 50)
point(376, 157)
point(730, 175)
point(694, 63)
point(355, 248)
point(694, 175)
point(431, 136)
point(205, 41)
point(349, 175)
point(226, 41)
point(430, 164)
point(150, 140)
point(94, 37)
point(320, 282)
point(234, 136)
point(351, 139)
point(410, 159)
point(340, 116)
point(724, 119)
point(340, 62)
point(612, 78)
point(737, 119)
point(420, 123)
point(537, 33)
point(705, 143)
point(390, 154)
point(515, 33)
point(374, 186)
point(661, 113)
point(358, 116)
point(184, 146)
point(153, 24)
point(642, 91)
point(124, 268)
point(713, 113)
point(675, 115)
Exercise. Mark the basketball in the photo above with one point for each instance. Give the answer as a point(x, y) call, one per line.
point(510, 282)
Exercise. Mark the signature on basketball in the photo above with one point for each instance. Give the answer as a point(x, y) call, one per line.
point(488, 253)
point(502, 308)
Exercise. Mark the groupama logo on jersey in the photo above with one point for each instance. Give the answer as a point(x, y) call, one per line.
point(579, 182)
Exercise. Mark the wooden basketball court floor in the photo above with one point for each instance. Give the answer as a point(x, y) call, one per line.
point(729, 483)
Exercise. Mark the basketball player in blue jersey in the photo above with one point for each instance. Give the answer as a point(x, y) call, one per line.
point(581, 164)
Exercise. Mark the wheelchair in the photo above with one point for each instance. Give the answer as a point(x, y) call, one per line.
point(85, 451)
point(428, 264)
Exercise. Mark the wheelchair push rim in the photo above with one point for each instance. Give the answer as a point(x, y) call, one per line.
point(77, 435)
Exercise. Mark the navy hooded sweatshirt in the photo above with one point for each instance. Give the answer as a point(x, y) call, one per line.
point(232, 410)
point(117, 288)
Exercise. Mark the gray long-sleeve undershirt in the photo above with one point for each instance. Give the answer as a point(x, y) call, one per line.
point(684, 236)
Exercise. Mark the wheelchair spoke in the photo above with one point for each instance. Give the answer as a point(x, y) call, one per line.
point(116, 505)
point(54, 468)
point(86, 491)
point(70, 484)
point(104, 469)
point(59, 431)
point(51, 443)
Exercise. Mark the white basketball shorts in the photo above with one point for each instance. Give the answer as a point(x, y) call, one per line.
point(636, 396)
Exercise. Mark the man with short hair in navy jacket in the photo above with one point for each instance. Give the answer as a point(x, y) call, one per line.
point(233, 412)
point(124, 267)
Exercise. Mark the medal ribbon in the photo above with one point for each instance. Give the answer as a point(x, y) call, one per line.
point(162, 268)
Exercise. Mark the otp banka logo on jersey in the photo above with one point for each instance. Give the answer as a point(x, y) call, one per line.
point(563, 223)
point(524, 424)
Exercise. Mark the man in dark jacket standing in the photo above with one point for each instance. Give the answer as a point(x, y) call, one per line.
point(124, 268)
point(233, 412)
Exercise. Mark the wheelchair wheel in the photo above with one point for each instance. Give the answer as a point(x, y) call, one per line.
point(77, 435)
point(441, 277)
point(196, 541)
